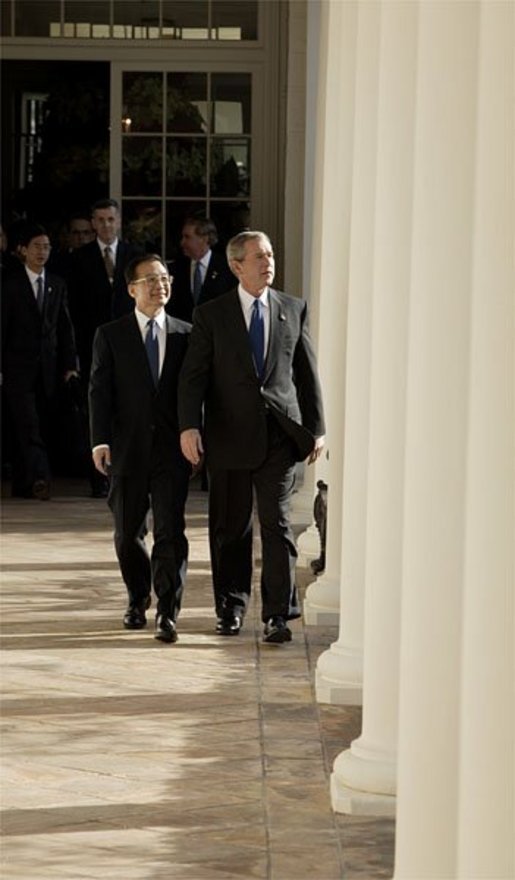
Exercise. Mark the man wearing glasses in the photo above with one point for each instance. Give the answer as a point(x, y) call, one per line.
point(135, 440)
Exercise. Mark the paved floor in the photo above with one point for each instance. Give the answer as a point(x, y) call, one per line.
point(126, 758)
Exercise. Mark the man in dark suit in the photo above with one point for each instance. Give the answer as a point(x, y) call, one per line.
point(98, 291)
point(38, 354)
point(200, 274)
point(250, 368)
point(135, 438)
point(77, 232)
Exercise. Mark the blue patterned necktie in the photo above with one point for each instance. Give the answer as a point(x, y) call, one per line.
point(197, 282)
point(257, 337)
point(152, 348)
point(40, 295)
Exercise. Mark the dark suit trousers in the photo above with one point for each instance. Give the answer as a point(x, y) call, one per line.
point(130, 499)
point(231, 494)
point(29, 414)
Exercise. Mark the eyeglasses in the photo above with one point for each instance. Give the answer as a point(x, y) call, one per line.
point(153, 280)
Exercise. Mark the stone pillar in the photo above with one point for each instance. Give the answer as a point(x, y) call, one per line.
point(330, 266)
point(364, 776)
point(458, 553)
point(486, 825)
point(339, 673)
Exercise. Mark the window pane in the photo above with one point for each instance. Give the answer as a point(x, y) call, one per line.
point(187, 102)
point(142, 166)
point(230, 218)
point(142, 224)
point(176, 212)
point(185, 19)
point(33, 19)
point(230, 166)
point(5, 18)
point(142, 102)
point(230, 94)
point(235, 20)
point(138, 20)
point(86, 19)
point(186, 167)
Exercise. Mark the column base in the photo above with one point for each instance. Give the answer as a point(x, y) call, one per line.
point(360, 803)
point(339, 676)
point(322, 602)
point(308, 546)
point(363, 781)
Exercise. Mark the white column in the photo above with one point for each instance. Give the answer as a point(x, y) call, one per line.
point(439, 379)
point(308, 542)
point(486, 827)
point(330, 268)
point(339, 673)
point(364, 777)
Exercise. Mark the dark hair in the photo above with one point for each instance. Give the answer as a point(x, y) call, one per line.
point(202, 226)
point(104, 203)
point(130, 269)
point(78, 215)
point(32, 230)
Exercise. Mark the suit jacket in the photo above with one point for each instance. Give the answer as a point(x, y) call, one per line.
point(138, 421)
point(35, 346)
point(93, 299)
point(219, 279)
point(219, 371)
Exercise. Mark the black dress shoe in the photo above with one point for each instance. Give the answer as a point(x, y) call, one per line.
point(135, 617)
point(229, 625)
point(99, 487)
point(276, 631)
point(165, 631)
point(41, 490)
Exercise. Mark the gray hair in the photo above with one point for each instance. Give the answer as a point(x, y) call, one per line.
point(235, 249)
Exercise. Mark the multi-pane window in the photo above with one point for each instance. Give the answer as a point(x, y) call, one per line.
point(134, 20)
point(186, 142)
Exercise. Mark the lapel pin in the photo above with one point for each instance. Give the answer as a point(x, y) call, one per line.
point(282, 317)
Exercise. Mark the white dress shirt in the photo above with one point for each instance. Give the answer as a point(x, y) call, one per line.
point(33, 278)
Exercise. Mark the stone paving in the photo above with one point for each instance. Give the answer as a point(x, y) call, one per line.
point(126, 758)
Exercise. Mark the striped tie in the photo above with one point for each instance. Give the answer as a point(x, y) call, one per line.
point(40, 293)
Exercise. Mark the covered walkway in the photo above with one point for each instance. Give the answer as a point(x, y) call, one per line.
point(126, 758)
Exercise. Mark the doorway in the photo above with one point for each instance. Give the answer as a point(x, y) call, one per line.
point(55, 157)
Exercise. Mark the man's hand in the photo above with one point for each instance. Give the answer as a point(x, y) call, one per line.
point(316, 452)
point(70, 374)
point(191, 445)
point(102, 459)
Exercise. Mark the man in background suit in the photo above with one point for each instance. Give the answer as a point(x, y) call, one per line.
point(98, 289)
point(250, 372)
point(77, 232)
point(98, 292)
point(135, 438)
point(38, 354)
point(200, 274)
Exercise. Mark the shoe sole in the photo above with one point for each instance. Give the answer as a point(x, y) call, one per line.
point(165, 637)
point(278, 638)
point(141, 625)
